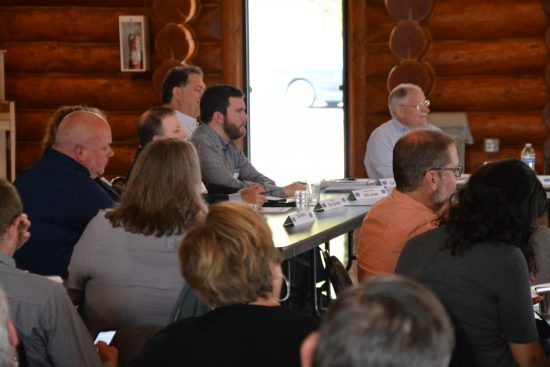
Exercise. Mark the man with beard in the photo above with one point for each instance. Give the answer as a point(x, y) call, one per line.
point(224, 118)
point(425, 167)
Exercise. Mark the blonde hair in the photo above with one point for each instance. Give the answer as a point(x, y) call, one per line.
point(163, 193)
point(226, 259)
point(53, 123)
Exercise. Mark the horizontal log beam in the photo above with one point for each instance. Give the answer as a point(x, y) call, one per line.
point(31, 124)
point(50, 57)
point(116, 92)
point(472, 94)
point(495, 57)
point(475, 156)
point(469, 20)
point(66, 24)
point(81, 3)
point(487, 19)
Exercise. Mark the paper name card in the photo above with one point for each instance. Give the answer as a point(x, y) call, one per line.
point(387, 182)
point(544, 180)
point(369, 196)
point(326, 205)
point(295, 220)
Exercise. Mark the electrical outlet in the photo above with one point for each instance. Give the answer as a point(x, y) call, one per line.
point(491, 145)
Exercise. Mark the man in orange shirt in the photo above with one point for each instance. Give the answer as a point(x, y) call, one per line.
point(425, 167)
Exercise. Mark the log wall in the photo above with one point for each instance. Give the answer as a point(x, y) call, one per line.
point(68, 53)
point(489, 58)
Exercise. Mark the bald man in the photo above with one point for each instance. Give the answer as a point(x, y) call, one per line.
point(59, 193)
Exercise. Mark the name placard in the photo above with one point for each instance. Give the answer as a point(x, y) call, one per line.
point(368, 196)
point(295, 220)
point(387, 182)
point(326, 205)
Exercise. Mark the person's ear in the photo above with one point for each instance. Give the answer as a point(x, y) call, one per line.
point(155, 137)
point(79, 152)
point(307, 350)
point(430, 180)
point(218, 117)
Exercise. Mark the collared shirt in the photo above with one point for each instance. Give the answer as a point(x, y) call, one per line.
point(47, 323)
point(225, 164)
point(187, 123)
point(60, 199)
point(379, 152)
point(386, 228)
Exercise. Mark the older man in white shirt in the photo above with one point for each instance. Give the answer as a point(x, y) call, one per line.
point(409, 109)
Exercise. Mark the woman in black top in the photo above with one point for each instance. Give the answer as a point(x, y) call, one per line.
point(232, 264)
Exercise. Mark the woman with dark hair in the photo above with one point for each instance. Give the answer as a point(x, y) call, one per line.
point(125, 264)
point(479, 265)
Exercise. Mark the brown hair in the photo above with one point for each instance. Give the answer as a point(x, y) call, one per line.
point(11, 206)
point(226, 259)
point(58, 116)
point(416, 153)
point(163, 193)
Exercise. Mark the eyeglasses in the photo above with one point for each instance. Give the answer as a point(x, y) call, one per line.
point(458, 170)
point(419, 106)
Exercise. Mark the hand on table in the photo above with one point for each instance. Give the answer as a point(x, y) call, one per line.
point(292, 188)
point(254, 195)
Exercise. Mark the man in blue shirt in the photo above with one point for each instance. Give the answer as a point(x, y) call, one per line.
point(409, 109)
point(59, 193)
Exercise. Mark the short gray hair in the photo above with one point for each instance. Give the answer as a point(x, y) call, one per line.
point(398, 95)
point(385, 321)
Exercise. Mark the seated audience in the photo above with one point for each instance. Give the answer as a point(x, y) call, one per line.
point(479, 265)
point(426, 167)
point(409, 109)
point(48, 326)
point(224, 118)
point(232, 264)
point(383, 322)
point(59, 193)
point(125, 265)
point(161, 123)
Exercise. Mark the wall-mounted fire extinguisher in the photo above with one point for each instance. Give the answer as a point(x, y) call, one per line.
point(136, 55)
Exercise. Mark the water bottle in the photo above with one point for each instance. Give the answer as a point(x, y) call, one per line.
point(528, 156)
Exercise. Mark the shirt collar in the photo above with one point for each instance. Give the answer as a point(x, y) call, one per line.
point(7, 260)
point(399, 126)
point(183, 116)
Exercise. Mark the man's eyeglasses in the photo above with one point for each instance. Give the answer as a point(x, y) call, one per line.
point(458, 170)
point(419, 106)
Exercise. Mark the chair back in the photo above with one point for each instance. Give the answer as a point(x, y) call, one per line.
point(337, 273)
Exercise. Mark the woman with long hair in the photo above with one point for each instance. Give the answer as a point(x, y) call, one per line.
point(125, 265)
point(479, 265)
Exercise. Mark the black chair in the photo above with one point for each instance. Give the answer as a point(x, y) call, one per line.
point(337, 273)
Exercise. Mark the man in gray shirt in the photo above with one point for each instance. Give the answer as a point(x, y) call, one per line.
point(46, 321)
point(224, 118)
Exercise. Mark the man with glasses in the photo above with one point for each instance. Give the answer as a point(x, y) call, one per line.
point(425, 167)
point(409, 109)
point(182, 90)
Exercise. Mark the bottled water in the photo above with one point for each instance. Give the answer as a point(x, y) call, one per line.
point(528, 156)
